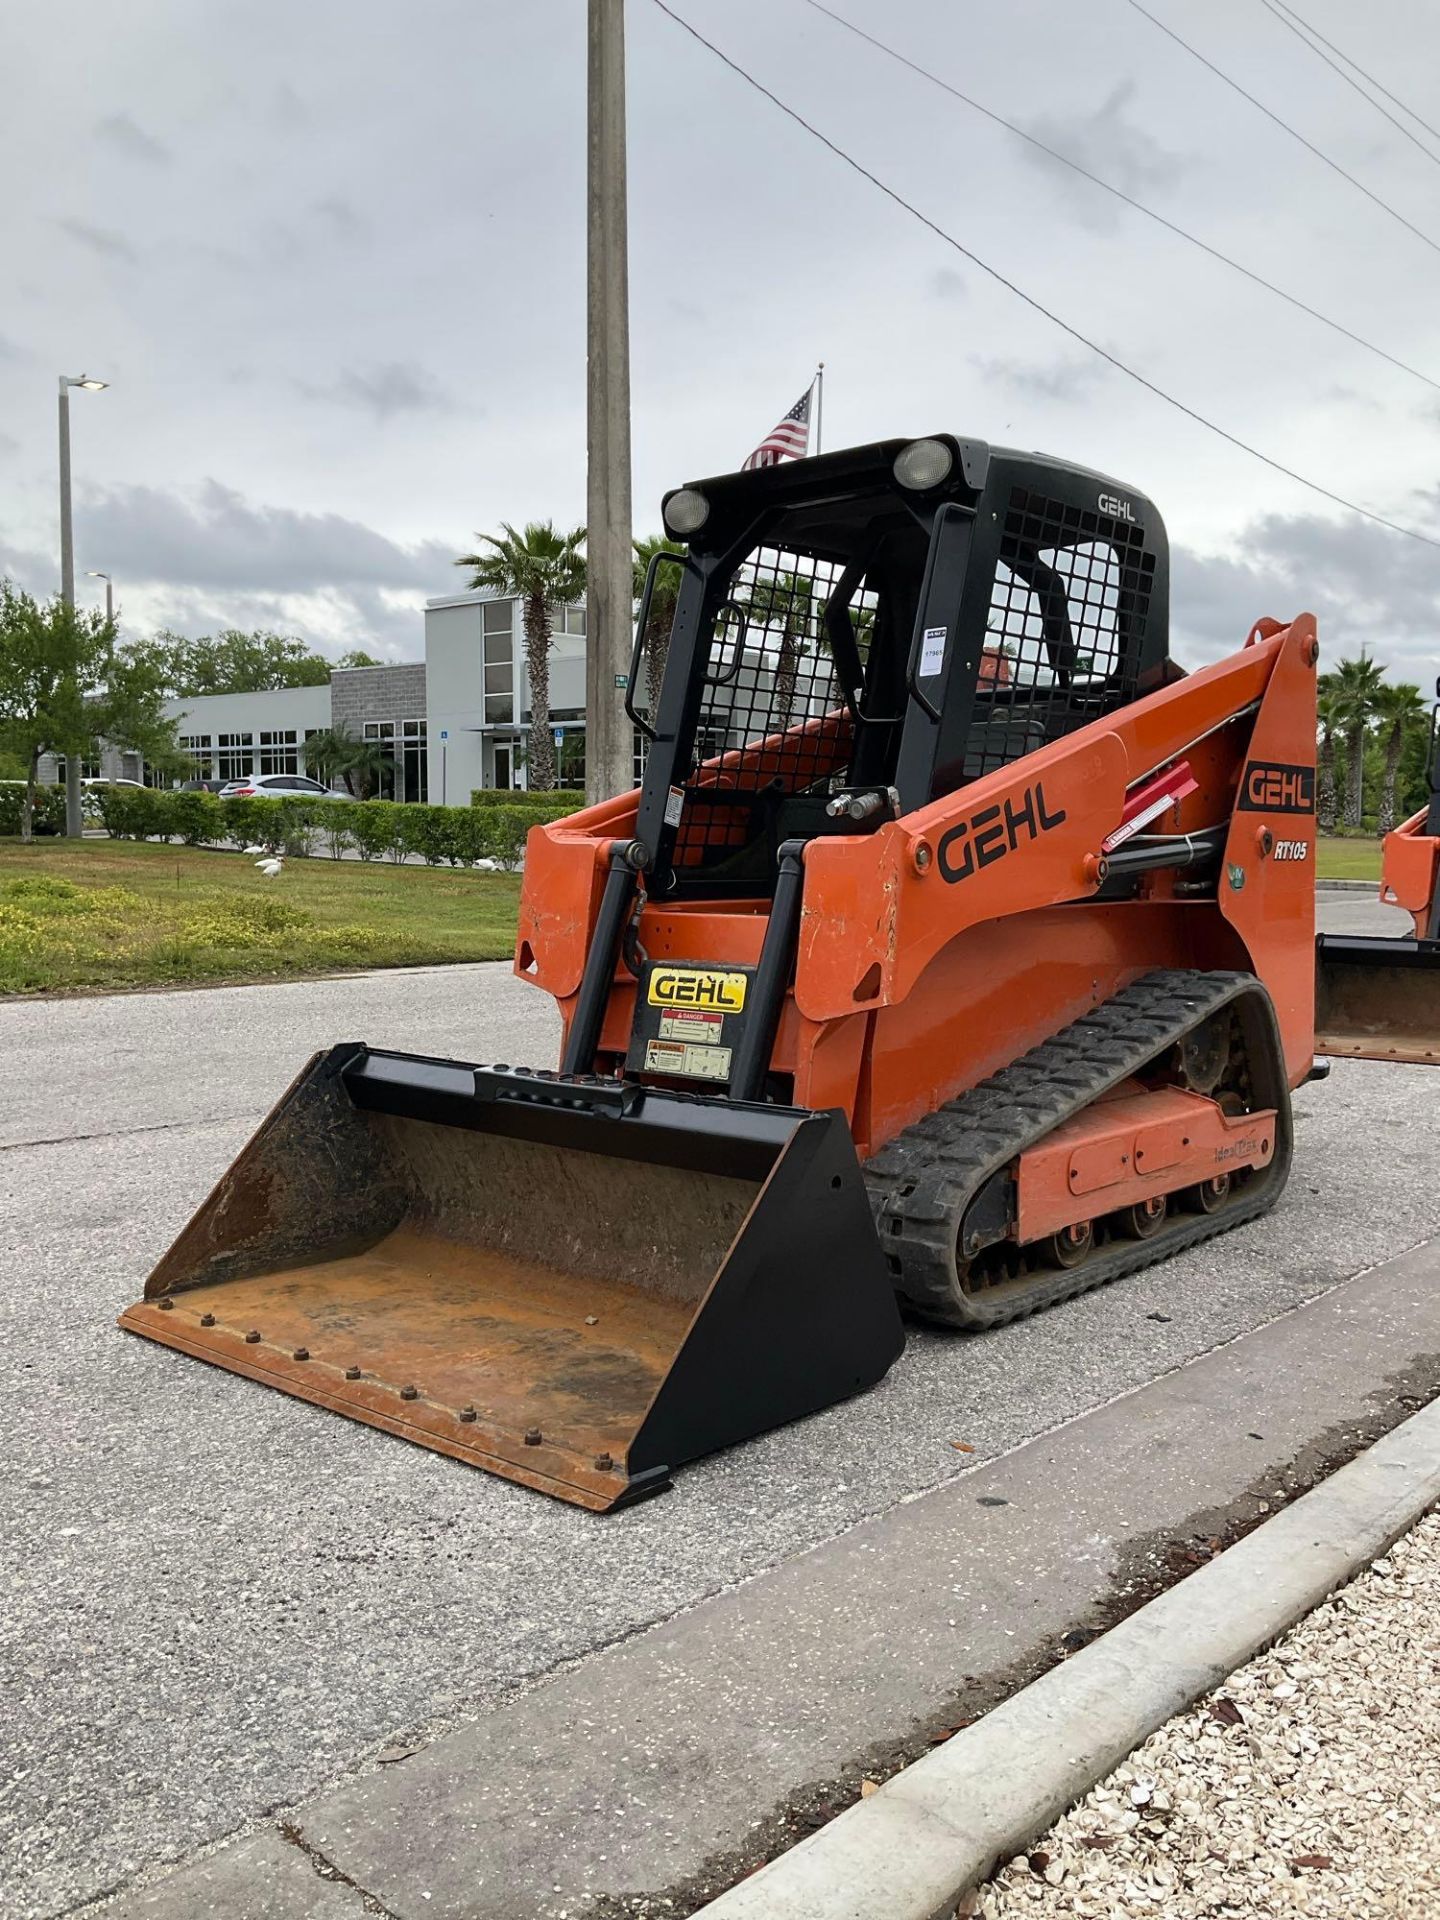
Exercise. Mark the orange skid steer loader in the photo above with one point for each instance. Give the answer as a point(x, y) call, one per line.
point(957, 951)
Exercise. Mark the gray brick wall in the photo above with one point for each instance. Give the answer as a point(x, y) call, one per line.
point(358, 694)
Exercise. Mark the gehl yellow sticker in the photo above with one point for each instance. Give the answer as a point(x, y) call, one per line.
point(697, 987)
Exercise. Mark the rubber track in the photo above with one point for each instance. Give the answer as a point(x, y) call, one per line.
point(922, 1181)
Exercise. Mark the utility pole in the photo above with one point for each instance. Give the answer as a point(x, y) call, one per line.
point(609, 556)
point(74, 816)
point(94, 573)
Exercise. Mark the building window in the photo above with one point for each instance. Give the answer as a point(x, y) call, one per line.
point(414, 761)
point(278, 753)
point(574, 620)
point(198, 749)
point(382, 733)
point(236, 758)
point(498, 626)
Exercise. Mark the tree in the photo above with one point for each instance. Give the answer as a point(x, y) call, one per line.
point(358, 658)
point(662, 611)
point(544, 570)
point(64, 686)
point(1399, 711)
point(331, 754)
point(786, 600)
point(1354, 685)
point(1326, 716)
point(233, 662)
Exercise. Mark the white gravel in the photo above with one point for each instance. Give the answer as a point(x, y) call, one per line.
point(1310, 1784)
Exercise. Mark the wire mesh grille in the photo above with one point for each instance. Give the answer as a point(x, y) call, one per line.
point(774, 719)
point(1068, 609)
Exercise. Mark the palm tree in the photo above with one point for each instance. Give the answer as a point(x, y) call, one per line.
point(1355, 685)
point(662, 611)
point(1399, 710)
point(786, 600)
point(1326, 716)
point(332, 754)
point(544, 570)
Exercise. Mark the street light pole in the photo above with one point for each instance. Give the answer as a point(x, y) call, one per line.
point(94, 573)
point(609, 555)
point(74, 817)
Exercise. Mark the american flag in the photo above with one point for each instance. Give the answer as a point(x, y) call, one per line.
point(790, 440)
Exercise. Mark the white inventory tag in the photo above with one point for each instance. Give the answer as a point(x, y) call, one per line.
point(674, 806)
point(932, 649)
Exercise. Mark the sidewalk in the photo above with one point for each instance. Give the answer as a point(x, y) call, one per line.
point(1308, 1784)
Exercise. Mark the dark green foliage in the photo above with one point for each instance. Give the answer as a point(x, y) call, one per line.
point(374, 829)
point(49, 808)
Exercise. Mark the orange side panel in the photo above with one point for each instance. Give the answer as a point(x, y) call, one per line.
point(1135, 1148)
point(1410, 870)
point(1267, 884)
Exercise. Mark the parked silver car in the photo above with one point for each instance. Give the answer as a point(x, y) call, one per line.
point(276, 786)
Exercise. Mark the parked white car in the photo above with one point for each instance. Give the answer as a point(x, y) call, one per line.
point(276, 786)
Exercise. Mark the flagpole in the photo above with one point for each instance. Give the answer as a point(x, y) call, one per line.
point(819, 385)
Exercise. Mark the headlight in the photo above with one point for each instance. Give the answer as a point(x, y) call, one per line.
point(686, 511)
point(924, 463)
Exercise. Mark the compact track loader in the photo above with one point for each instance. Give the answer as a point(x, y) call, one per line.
point(957, 950)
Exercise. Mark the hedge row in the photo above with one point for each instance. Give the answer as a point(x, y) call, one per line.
point(49, 807)
point(562, 799)
point(374, 829)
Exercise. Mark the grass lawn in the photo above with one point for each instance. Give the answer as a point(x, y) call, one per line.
point(112, 913)
point(1339, 859)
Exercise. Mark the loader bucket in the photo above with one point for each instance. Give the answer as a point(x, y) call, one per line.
point(575, 1284)
point(1377, 999)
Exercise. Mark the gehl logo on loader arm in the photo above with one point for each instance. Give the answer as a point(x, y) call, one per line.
point(987, 836)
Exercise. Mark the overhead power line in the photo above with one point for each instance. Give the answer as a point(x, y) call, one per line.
point(1303, 35)
point(1118, 193)
point(1378, 85)
point(1285, 127)
point(1131, 373)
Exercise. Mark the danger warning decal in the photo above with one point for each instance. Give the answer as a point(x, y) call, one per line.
point(1275, 786)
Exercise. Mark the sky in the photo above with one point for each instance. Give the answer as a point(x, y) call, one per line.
point(331, 259)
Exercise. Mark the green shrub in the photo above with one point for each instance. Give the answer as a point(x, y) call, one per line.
point(562, 799)
point(49, 808)
point(504, 830)
point(374, 829)
point(134, 813)
point(193, 817)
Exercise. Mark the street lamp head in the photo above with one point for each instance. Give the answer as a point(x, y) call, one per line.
point(83, 380)
point(94, 573)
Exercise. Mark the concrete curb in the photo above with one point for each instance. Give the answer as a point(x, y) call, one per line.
point(911, 1850)
point(1348, 886)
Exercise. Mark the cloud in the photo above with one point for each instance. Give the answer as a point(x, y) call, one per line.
point(1061, 380)
point(1366, 586)
point(99, 239)
point(217, 539)
point(343, 219)
point(1108, 145)
point(397, 386)
point(131, 139)
point(8, 443)
point(947, 284)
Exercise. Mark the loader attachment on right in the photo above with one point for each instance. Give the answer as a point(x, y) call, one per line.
point(577, 1285)
point(1377, 998)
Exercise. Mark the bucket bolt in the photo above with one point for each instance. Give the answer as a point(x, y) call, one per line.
point(467, 1413)
point(166, 1306)
point(352, 1373)
point(409, 1393)
point(532, 1436)
point(207, 1319)
point(603, 1463)
point(301, 1353)
point(252, 1339)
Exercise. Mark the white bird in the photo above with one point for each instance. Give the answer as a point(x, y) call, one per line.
point(257, 849)
point(271, 866)
point(487, 866)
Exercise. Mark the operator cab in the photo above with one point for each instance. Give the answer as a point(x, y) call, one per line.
point(857, 634)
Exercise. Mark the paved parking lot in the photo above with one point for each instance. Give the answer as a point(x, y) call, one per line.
point(221, 1599)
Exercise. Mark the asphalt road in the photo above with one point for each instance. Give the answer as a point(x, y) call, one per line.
point(221, 1600)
